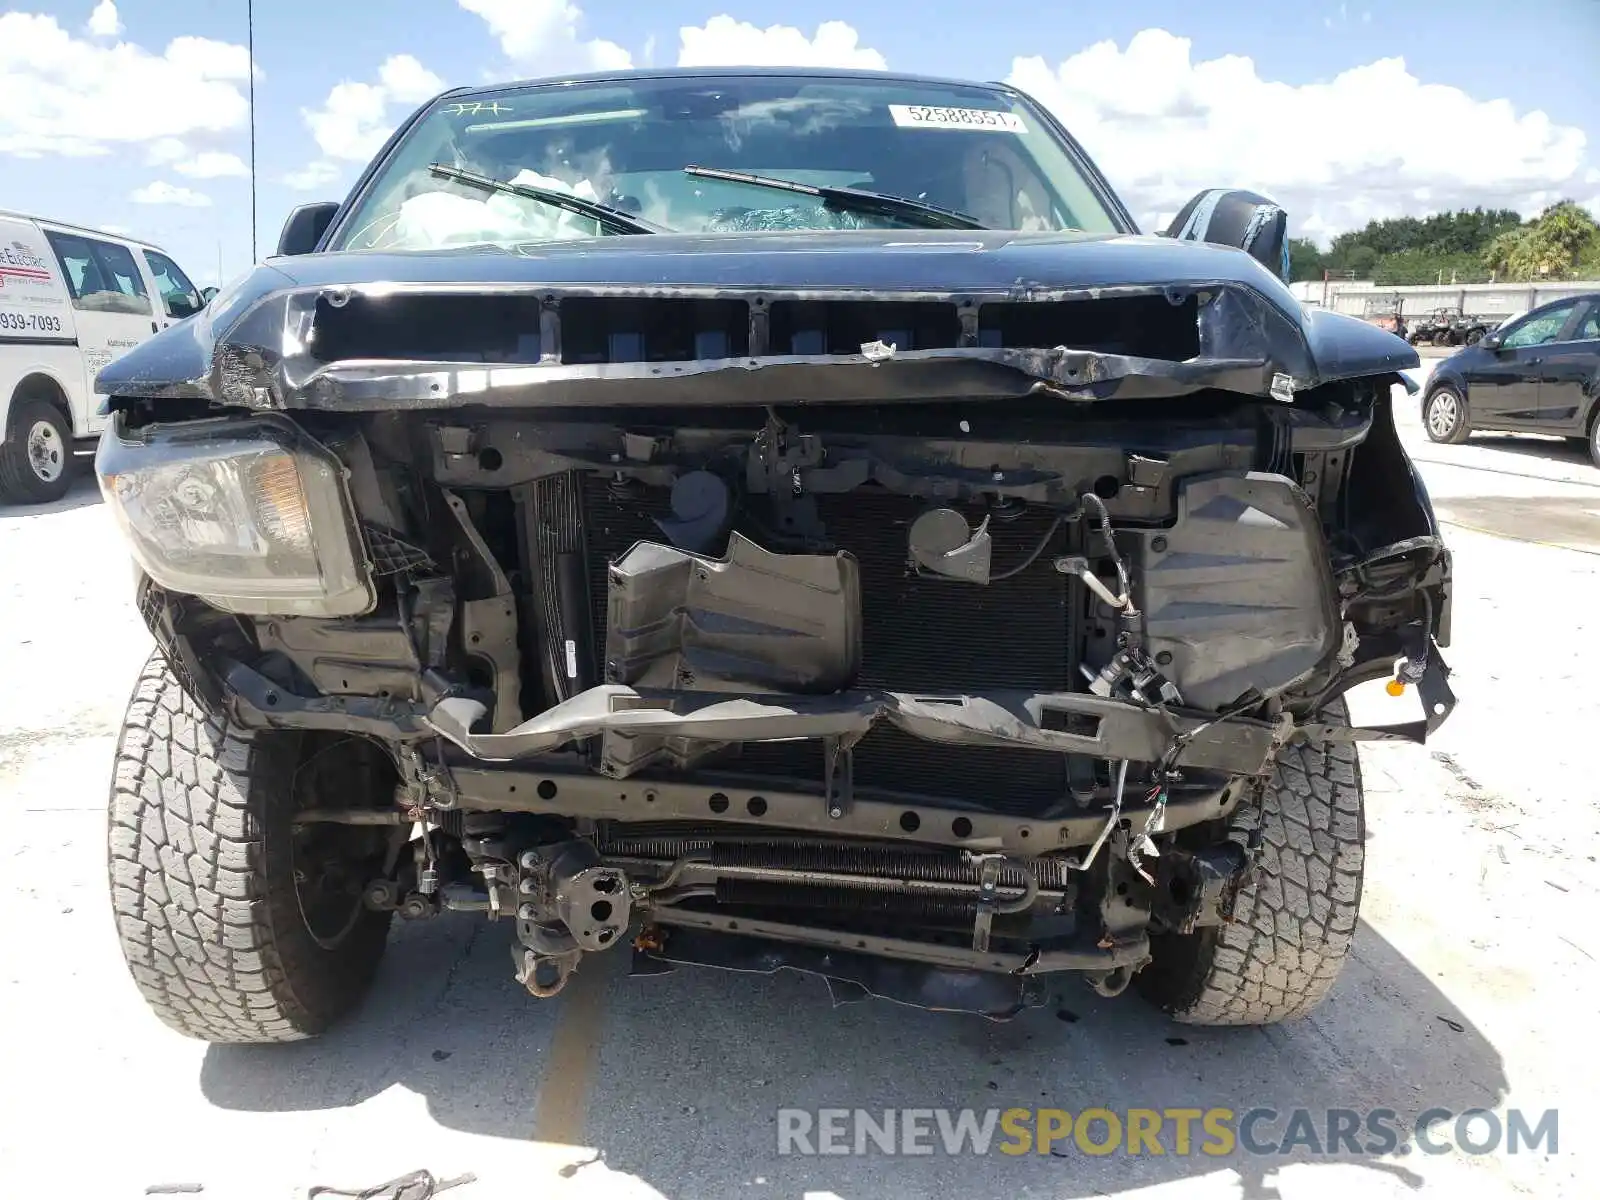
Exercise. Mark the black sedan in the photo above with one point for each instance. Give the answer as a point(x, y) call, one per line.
point(1537, 374)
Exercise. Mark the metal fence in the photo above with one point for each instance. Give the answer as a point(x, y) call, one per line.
point(1496, 300)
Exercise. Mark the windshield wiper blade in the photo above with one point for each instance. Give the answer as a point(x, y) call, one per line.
point(613, 220)
point(851, 199)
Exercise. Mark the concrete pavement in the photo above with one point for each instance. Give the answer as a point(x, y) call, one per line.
point(1472, 984)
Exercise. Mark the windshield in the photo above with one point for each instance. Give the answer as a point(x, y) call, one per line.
point(625, 144)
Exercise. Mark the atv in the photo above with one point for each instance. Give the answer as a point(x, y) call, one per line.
point(1449, 327)
point(1436, 329)
point(1468, 330)
point(783, 520)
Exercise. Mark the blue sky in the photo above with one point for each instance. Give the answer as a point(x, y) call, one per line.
point(112, 115)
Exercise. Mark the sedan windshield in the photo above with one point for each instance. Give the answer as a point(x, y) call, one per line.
point(976, 152)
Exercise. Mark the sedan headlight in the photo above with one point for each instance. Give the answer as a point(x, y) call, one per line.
point(250, 515)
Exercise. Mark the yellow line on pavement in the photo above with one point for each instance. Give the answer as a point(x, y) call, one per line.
point(558, 1114)
point(1511, 537)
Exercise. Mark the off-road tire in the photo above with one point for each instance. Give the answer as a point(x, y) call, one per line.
point(202, 884)
point(1450, 435)
point(19, 483)
point(1293, 926)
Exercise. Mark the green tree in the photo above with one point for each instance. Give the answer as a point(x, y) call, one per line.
point(1551, 246)
point(1589, 264)
point(1504, 254)
point(1305, 260)
point(1360, 258)
point(1562, 236)
point(1466, 232)
point(1428, 245)
point(1429, 266)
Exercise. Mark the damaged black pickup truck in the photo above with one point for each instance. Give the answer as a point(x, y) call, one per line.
point(763, 520)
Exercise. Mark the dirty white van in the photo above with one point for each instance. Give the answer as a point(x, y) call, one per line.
point(71, 300)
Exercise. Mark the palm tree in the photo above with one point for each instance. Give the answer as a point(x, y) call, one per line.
point(1504, 253)
point(1548, 247)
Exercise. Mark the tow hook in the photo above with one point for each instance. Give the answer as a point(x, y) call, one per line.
point(568, 904)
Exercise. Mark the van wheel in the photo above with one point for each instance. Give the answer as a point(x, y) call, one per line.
point(36, 461)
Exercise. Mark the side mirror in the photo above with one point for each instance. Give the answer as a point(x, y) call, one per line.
point(1244, 220)
point(1491, 341)
point(305, 227)
point(181, 306)
point(208, 294)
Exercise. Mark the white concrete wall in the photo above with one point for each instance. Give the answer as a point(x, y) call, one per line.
point(1475, 299)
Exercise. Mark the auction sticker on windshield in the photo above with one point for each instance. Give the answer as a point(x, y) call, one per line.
point(926, 116)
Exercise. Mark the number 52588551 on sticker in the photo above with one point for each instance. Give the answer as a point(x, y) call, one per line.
point(923, 116)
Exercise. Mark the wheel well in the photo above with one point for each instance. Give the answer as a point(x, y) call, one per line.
point(1435, 386)
point(42, 387)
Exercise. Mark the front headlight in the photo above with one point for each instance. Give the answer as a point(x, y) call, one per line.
point(250, 515)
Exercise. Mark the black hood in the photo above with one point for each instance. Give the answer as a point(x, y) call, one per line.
point(265, 341)
point(992, 262)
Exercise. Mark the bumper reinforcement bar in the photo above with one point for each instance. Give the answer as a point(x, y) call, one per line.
point(755, 804)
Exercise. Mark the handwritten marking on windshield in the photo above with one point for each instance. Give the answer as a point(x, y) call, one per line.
point(477, 108)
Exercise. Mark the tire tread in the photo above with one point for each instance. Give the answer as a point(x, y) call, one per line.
point(1293, 927)
point(18, 483)
point(187, 858)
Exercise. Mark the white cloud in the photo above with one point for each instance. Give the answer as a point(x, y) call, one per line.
point(408, 81)
point(541, 36)
point(1335, 153)
point(316, 174)
point(357, 118)
point(212, 164)
point(724, 42)
point(161, 192)
point(165, 150)
point(60, 94)
point(103, 21)
point(352, 122)
point(224, 60)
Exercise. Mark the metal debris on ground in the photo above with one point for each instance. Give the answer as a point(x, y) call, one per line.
point(415, 1185)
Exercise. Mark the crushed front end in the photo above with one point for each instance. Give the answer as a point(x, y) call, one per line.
point(876, 636)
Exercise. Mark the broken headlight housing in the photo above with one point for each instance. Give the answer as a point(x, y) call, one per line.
point(252, 516)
